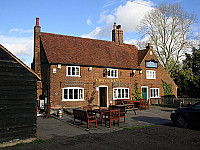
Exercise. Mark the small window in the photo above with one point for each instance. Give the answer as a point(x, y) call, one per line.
point(73, 71)
point(73, 94)
point(154, 93)
point(120, 93)
point(112, 73)
point(150, 74)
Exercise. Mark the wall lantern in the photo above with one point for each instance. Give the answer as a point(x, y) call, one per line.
point(90, 69)
point(140, 71)
point(59, 66)
point(132, 73)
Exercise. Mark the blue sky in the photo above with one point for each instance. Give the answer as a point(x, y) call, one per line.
point(88, 18)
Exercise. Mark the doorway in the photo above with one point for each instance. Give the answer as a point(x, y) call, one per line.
point(103, 96)
point(145, 92)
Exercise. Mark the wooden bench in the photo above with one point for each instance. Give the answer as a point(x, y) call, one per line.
point(122, 110)
point(84, 116)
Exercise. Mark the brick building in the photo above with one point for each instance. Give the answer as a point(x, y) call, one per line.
point(79, 71)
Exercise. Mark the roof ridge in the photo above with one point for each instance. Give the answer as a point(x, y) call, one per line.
point(18, 60)
point(86, 38)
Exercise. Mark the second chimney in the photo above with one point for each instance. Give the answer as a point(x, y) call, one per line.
point(117, 34)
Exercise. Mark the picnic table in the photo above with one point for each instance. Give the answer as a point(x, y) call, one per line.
point(128, 107)
point(101, 112)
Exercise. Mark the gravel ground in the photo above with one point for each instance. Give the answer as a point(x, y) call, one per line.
point(158, 137)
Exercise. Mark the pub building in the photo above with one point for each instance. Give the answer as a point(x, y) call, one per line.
point(79, 71)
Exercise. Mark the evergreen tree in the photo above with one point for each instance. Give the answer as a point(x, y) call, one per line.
point(187, 75)
point(137, 94)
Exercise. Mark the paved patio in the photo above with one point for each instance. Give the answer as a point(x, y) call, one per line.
point(48, 128)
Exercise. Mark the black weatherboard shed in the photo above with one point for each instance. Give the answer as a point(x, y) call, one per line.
point(18, 97)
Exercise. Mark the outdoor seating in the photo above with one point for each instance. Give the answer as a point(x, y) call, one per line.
point(112, 116)
point(87, 108)
point(143, 104)
point(147, 104)
point(84, 116)
point(122, 111)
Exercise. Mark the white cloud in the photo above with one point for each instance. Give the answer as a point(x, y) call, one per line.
point(89, 22)
point(92, 34)
point(18, 45)
point(128, 15)
point(22, 47)
point(21, 30)
point(131, 41)
point(103, 16)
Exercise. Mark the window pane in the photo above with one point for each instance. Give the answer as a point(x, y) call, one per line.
point(73, 70)
point(70, 93)
point(126, 93)
point(122, 93)
point(65, 93)
point(69, 70)
point(80, 93)
point(77, 71)
point(151, 94)
point(115, 73)
point(156, 93)
point(108, 72)
point(150, 74)
point(115, 93)
point(75, 93)
point(119, 93)
point(112, 73)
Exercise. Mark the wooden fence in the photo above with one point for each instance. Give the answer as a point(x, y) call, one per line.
point(173, 102)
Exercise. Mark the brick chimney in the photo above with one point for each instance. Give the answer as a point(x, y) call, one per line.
point(36, 65)
point(117, 34)
point(36, 60)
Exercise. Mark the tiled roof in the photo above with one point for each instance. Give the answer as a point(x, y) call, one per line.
point(141, 54)
point(82, 51)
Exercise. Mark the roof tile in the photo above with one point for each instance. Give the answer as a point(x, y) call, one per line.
point(83, 51)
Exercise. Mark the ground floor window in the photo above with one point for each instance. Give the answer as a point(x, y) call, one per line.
point(73, 93)
point(154, 93)
point(121, 93)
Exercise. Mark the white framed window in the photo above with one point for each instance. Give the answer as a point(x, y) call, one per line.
point(112, 73)
point(120, 93)
point(150, 74)
point(73, 71)
point(154, 92)
point(73, 94)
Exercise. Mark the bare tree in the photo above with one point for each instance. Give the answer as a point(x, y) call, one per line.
point(168, 28)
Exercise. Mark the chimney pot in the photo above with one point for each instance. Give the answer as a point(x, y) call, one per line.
point(119, 27)
point(117, 34)
point(37, 21)
point(114, 26)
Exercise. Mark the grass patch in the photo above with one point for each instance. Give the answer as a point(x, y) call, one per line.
point(139, 127)
point(39, 141)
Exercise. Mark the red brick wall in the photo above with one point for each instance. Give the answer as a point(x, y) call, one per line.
point(89, 80)
point(161, 74)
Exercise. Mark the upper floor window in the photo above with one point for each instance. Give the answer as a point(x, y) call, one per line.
point(73, 71)
point(154, 92)
point(150, 74)
point(120, 93)
point(73, 93)
point(112, 73)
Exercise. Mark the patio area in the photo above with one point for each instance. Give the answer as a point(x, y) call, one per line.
point(154, 116)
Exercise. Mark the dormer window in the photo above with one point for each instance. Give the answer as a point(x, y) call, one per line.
point(112, 73)
point(73, 71)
